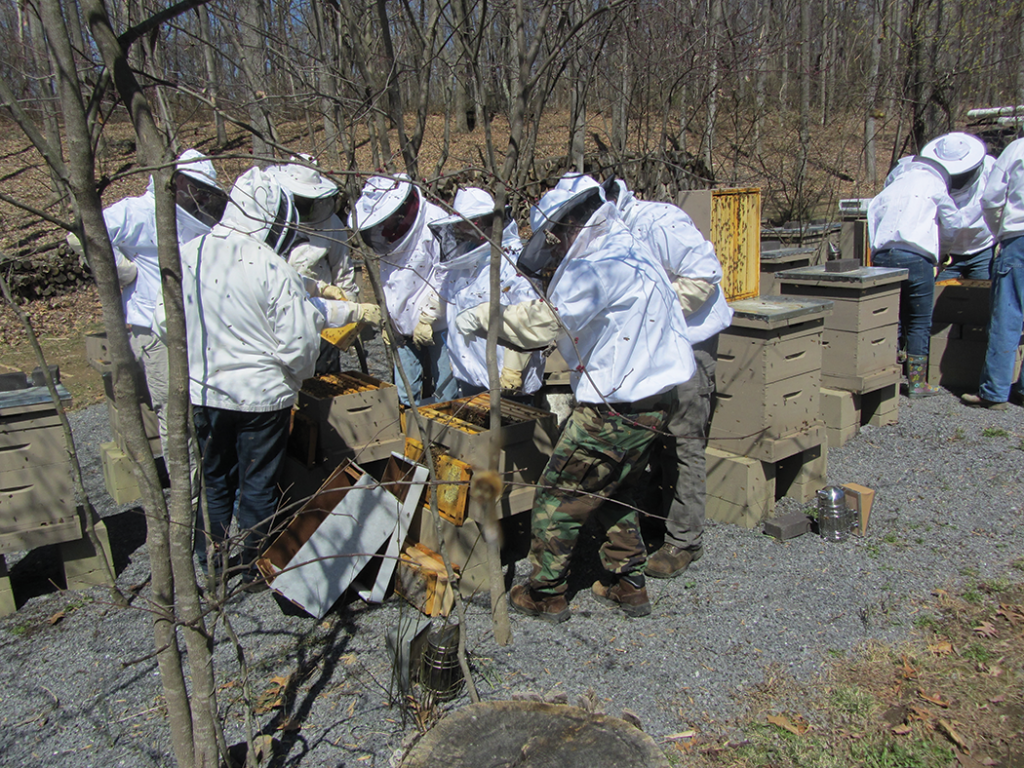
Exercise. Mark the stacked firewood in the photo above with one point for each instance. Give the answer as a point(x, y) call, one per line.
point(46, 270)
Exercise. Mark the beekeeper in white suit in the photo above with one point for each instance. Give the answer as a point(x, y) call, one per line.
point(392, 217)
point(618, 323)
point(320, 252)
point(131, 226)
point(253, 336)
point(465, 269)
point(696, 275)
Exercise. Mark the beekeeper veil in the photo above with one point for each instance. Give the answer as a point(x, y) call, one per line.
point(261, 208)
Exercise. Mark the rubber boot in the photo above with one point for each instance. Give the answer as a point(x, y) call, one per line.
point(917, 378)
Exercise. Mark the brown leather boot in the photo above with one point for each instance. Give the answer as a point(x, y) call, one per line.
point(670, 561)
point(917, 378)
point(628, 593)
point(552, 608)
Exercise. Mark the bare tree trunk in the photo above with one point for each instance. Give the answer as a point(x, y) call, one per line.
point(714, 15)
point(805, 101)
point(252, 56)
point(760, 78)
point(872, 96)
point(212, 79)
point(80, 178)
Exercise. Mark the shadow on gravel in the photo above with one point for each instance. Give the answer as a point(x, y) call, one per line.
point(41, 571)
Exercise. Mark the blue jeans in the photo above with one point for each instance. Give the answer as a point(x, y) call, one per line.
point(243, 456)
point(976, 266)
point(420, 361)
point(1005, 324)
point(917, 297)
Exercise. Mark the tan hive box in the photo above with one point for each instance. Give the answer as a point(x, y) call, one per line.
point(860, 336)
point(356, 417)
point(37, 496)
point(460, 429)
point(768, 378)
point(963, 302)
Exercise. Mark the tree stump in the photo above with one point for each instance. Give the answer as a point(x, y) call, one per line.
point(528, 734)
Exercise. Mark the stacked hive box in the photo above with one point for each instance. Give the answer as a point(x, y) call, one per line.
point(859, 374)
point(345, 416)
point(767, 439)
point(459, 430)
point(37, 497)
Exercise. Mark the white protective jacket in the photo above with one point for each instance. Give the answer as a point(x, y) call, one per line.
point(688, 259)
point(409, 273)
point(973, 235)
point(467, 284)
point(253, 336)
point(914, 212)
point(131, 226)
point(325, 257)
point(1003, 199)
point(616, 320)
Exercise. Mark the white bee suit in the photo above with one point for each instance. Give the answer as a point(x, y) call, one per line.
point(131, 226)
point(467, 284)
point(684, 253)
point(616, 319)
point(325, 257)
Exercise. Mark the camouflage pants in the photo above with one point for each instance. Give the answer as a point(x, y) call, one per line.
point(596, 455)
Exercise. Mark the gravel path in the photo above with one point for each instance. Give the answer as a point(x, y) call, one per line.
point(82, 692)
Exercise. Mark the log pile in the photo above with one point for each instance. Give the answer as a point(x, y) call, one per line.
point(46, 270)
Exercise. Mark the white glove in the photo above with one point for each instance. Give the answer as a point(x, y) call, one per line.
point(511, 380)
point(369, 314)
point(692, 293)
point(332, 292)
point(472, 321)
point(423, 333)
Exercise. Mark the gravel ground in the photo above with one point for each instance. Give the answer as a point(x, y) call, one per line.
point(82, 691)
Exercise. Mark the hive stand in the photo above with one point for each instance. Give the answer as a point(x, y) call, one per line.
point(859, 373)
point(767, 439)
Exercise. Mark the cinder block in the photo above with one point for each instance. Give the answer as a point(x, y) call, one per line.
point(880, 407)
point(837, 438)
point(149, 423)
point(747, 515)
point(7, 603)
point(97, 353)
point(83, 566)
point(739, 479)
point(118, 474)
point(839, 409)
point(807, 470)
point(788, 526)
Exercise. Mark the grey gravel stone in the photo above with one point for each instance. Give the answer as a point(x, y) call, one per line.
point(84, 691)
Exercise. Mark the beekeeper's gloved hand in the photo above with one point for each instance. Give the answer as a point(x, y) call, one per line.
point(511, 380)
point(469, 322)
point(369, 314)
point(423, 333)
point(332, 292)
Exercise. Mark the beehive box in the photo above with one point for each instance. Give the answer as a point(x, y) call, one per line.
point(769, 378)
point(149, 423)
point(957, 355)
point(37, 495)
point(460, 429)
point(731, 220)
point(962, 302)
point(860, 335)
point(356, 417)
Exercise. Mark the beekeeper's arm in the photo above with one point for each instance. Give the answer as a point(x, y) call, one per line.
point(993, 199)
point(343, 272)
point(513, 364)
point(335, 314)
point(527, 325)
point(126, 225)
point(126, 270)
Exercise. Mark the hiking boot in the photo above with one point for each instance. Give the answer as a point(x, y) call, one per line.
point(917, 378)
point(669, 561)
point(977, 401)
point(628, 593)
point(529, 602)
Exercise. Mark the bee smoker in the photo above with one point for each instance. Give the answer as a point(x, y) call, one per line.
point(441, 673)
point(835, 519)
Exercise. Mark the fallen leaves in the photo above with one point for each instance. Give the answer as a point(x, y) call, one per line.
point(936, 699)
point(797, 725)
point(942, 648)
point(986, 629)
point(57, 617)
point(946, 727)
